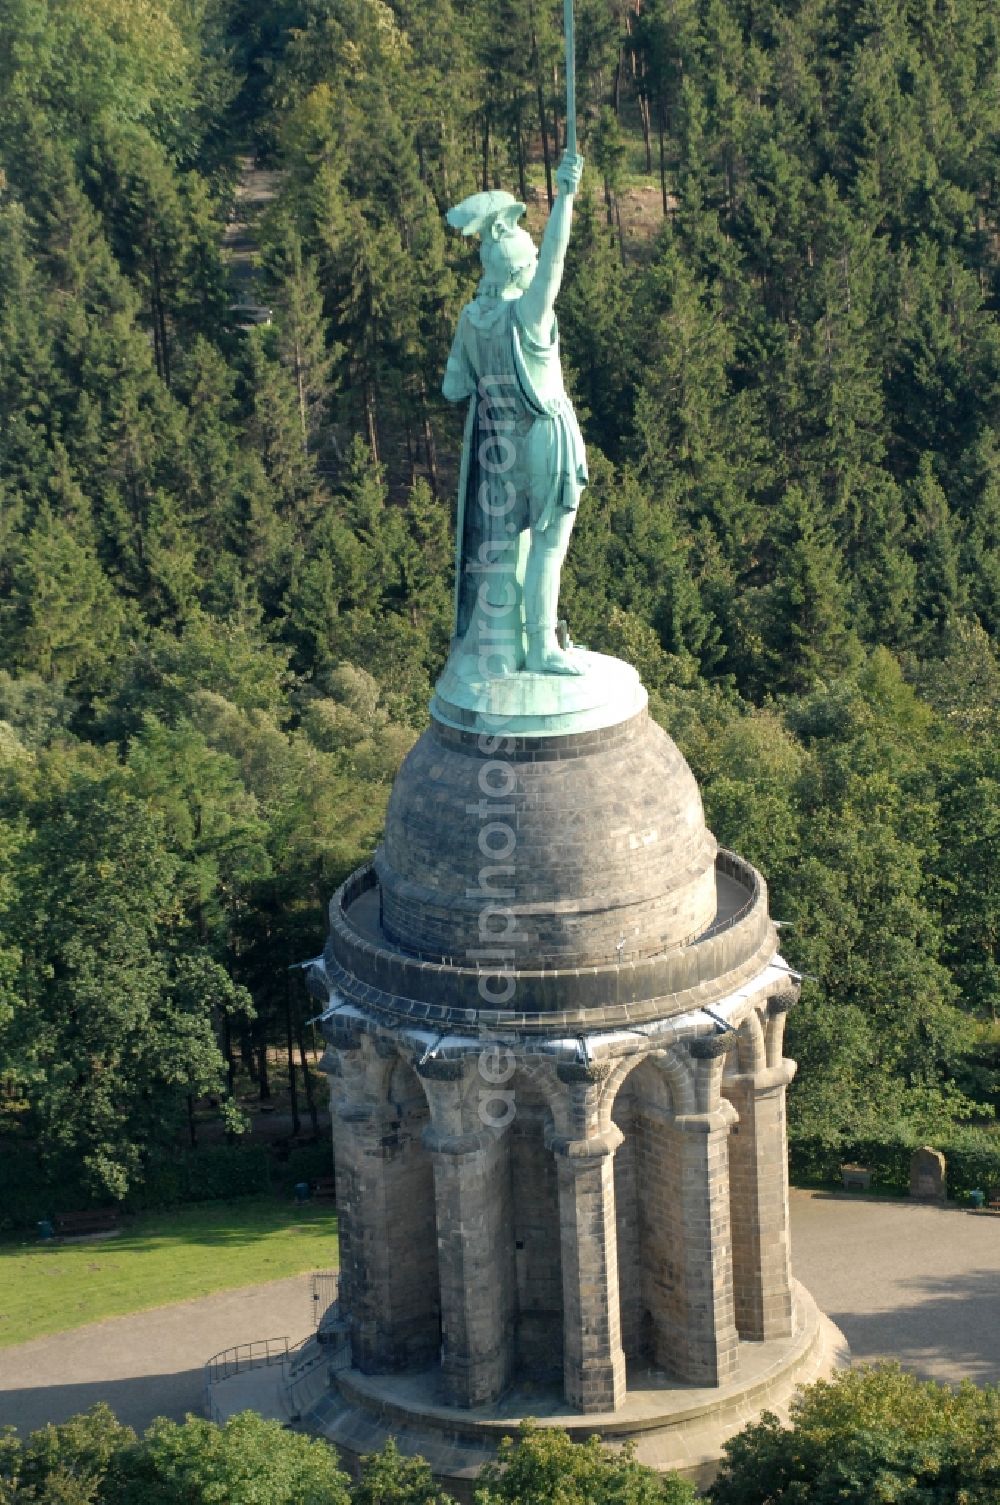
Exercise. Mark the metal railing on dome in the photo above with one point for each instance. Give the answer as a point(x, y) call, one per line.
point(734, 867)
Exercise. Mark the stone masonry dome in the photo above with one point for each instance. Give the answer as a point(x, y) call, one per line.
point(593, 847)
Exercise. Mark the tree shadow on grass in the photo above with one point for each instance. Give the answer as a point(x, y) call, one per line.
point(231, 1225)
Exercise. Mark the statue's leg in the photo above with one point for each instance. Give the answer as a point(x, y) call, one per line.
point(493, 645)
point(541, 597)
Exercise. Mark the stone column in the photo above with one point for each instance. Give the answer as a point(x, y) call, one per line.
point(593, 1359)
point(472, 1196)
point(388, 1246)
point(698, 1340)
point(758, 1162)
point(366, 1237)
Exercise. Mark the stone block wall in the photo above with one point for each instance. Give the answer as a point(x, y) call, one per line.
point(630, 1210)
point(628, 1202)
point(388, 1247)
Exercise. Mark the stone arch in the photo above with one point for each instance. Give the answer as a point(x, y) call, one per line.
point(385, 1201)
point(663, 1234)
point(414, 1279)
point(653, 1091)
point(751, 1049)
point(677, 1073)
point(674, 1090)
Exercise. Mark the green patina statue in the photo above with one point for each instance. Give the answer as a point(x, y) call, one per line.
point(511, 668)
point(523, 461)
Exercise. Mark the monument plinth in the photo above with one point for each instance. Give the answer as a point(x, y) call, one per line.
point(555, 1020)
point(605, 693)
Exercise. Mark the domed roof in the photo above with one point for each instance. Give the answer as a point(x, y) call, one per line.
point(558, 852)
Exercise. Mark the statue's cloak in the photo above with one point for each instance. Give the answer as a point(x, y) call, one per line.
point(521, 433)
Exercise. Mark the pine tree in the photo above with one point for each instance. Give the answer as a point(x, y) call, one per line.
point(940, 592)
point(62, 619)
point(804, 614)
point(301, 343)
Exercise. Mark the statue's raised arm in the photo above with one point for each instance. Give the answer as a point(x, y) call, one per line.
point(537, 307)
point(524, 466)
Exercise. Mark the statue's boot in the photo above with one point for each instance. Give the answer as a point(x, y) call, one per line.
point(545, 655)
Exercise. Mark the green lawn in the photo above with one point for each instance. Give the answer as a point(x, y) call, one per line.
point(159, 1258)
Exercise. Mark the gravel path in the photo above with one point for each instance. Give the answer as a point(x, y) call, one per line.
point(918, 1284)
point(146, 1365)
point(904, 1281)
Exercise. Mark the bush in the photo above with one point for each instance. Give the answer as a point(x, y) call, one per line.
point(307, 1164)
point(972, 1156)
point(543, 1466)
point(973, 1161)
point(818, 1160)
point(28, 1193)
point(245, 1462)
point(872, 1434)
point(217, 1173)
point(65, 1463)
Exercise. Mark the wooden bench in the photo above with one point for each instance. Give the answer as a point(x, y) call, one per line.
point(325, 1186)
point(83, 1224)
point(993, 1199)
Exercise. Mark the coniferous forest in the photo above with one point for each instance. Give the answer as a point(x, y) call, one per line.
point(225, 548)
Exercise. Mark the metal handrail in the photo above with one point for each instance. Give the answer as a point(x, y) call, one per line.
point(257, 1354)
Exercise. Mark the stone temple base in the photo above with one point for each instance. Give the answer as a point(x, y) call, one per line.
point(674, 1427)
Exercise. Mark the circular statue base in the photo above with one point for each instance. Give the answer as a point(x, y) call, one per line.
point(673, 1426)
point(604, 693)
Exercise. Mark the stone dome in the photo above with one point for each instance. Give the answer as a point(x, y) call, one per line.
point(561, 852)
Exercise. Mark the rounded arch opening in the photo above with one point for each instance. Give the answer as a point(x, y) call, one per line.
point(414, 1276)
point(537, 1236)
point(654, 1264)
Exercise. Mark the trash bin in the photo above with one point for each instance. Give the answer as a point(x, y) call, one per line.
point(302, 1191)
point(45, 1229)
point(977, 1198)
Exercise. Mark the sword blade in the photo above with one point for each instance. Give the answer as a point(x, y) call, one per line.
point(570, 32)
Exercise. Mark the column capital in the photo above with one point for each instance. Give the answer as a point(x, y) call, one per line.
point(440, 1069)
point(361, 1113)
point(591, 1073)
point(440, 1142)
point(709, 1047)
point(344, 1034)
point(581, 1151)
point(329, 1062)
point(768, 1080)
point(720, 1120)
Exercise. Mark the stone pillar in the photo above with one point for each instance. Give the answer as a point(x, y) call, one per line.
point(472, 1196)
point(759, 1160)
point(593, 1359)
point(366, 1241)
point(388, 1247)
point(696, 1335)
point(758, 1170)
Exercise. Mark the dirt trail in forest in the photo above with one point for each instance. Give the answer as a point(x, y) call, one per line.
point(257, 187)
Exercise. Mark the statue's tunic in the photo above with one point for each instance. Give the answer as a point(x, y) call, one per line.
point(523, 447)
